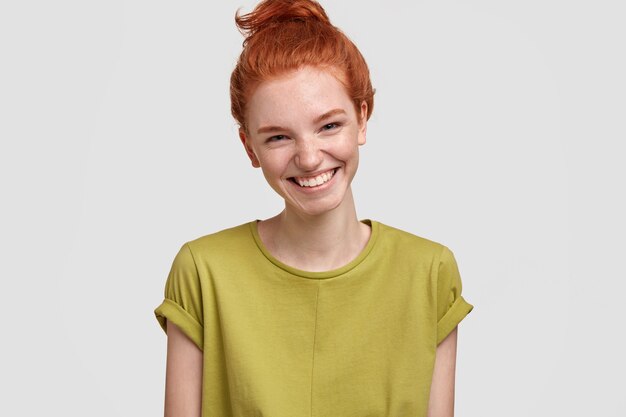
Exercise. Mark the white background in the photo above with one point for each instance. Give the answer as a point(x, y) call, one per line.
point(495, 131)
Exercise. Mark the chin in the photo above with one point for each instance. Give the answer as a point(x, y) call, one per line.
point(315, 208)
point(312, 205)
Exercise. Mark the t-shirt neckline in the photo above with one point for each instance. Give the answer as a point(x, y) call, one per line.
point(374, 225)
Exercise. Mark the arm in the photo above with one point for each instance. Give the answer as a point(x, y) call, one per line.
point(183, 380)
point(441, 403)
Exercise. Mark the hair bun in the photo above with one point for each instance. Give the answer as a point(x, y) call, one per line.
point(269, 12)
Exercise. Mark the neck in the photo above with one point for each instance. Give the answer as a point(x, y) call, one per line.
point(316, 242)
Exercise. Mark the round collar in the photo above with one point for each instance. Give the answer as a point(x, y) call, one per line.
point(374, 225)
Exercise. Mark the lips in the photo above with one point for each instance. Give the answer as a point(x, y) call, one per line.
point(314, 180)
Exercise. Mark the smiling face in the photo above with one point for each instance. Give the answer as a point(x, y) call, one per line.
point(304, 133)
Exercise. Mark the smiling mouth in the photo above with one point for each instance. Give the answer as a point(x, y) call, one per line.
point(314, 181)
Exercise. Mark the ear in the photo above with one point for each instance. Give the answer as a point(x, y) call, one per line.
point(248, 148)
point(363, 124)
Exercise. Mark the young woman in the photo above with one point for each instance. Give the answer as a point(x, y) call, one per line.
point(312, 312)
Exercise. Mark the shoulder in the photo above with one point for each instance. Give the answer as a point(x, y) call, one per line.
point(403, 241)
point(222, 242)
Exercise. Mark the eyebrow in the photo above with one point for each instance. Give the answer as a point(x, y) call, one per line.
point(333, 112)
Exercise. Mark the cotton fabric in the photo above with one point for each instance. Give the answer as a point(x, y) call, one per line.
point(358, 341)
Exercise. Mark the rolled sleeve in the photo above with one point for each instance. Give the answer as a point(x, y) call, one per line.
point(182, 303)
point(451, 306)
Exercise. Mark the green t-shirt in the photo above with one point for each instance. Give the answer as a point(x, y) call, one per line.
point(281, 342)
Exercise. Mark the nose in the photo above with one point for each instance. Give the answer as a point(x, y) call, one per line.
point(308, 154)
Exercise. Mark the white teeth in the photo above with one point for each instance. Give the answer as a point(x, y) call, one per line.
point(319, 180)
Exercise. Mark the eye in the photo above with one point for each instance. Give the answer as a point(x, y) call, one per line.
point(331, 126)
point(276, 138)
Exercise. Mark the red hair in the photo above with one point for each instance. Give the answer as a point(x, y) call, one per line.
point(284, 35)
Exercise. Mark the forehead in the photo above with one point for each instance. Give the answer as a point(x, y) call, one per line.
point(297, 96)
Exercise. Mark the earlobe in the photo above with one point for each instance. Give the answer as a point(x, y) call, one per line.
point(249, 151)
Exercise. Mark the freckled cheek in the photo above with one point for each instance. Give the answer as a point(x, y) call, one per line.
point(273, 165)
point(344, 151)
